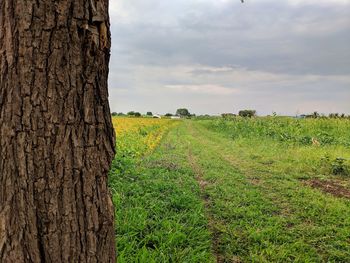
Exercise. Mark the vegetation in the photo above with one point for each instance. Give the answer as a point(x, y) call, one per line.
point(228, 115)
point(316, 115)
point(183, 112)
point(338, 115)
point(284, 129)
point(134, 114)
point(159, 215)
point(138, 136)
point(247, 113)
point(235, 190)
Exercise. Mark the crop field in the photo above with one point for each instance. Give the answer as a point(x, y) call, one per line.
point(266, 189)
point(137, 136)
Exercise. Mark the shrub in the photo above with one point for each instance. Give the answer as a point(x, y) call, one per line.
point(183, 112)
point(228, 115)
point(337, 166)
point(247, 113)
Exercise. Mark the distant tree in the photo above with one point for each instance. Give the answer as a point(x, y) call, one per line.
point(228, 115)
point(121, 114)
point(183, 112)
point(315, 115)
point(149, 113)
point(205, 117)
point(168, 115)
point(131, 113)
point(137, 114)
point(114, 114)
point(338, 115)
point(247, 113)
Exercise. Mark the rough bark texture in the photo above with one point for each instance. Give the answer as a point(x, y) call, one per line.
point(56, 135)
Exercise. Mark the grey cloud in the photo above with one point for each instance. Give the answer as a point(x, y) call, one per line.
point(276, 37)
point(212, 43)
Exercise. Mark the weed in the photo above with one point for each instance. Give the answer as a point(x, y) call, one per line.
point(336, 166)
point(339, 166)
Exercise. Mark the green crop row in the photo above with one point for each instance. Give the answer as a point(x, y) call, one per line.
point(299, 131)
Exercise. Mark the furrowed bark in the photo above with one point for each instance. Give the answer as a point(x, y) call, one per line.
point(56, 136)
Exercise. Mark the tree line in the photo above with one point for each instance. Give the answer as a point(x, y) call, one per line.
point(181, 112)
point(185, 113)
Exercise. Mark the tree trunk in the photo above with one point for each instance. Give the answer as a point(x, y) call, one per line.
point(56, 135)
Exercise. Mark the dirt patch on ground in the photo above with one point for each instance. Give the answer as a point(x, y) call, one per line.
point(202, 183)
point(330, 186)
point(197, 170)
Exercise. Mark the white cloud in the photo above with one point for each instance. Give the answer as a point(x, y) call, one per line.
point(211, 89)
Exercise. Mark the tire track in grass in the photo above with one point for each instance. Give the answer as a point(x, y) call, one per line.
point(216, 227)
point(198, 172)
point(295, 207)
point(160, 216)
point(231, 241)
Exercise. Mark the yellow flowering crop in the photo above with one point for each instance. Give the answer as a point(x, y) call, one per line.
point(140, 135)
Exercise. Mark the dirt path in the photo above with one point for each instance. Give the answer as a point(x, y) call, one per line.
point(214, 226)
point(206, 200)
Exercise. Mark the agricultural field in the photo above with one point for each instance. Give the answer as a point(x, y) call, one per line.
point(138, 136)
point(232, 190)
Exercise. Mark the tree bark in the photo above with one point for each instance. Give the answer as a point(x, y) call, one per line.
point(56, 135)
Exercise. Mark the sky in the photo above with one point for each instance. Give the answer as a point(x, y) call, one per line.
point(219, 56)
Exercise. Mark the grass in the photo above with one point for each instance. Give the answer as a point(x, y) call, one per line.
point(159, 215)
point(228, 191)
point(265, 212)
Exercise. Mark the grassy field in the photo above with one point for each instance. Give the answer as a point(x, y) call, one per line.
point(240, 190)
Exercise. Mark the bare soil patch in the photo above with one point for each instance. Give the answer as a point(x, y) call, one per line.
point(332, 187)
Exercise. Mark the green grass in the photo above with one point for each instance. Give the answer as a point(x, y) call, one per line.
point(231, 191)
point(159, 213)
point(265, 212)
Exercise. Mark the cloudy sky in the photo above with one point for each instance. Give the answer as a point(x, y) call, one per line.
point(215, 56)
